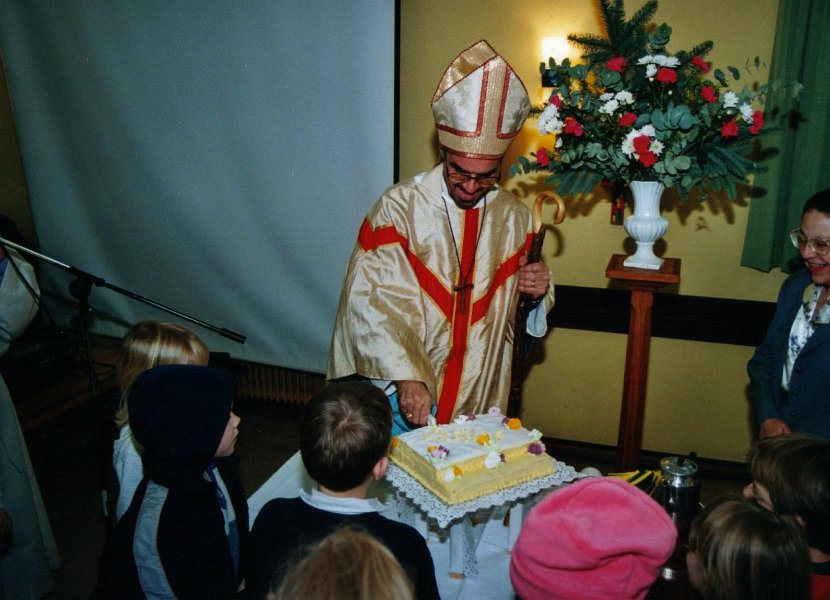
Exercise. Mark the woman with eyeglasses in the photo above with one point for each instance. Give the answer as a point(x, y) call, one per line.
point(790, 371)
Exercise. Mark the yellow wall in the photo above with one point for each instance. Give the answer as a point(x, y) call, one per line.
point(696, 397)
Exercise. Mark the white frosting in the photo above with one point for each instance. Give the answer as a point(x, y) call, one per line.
point(460, 439)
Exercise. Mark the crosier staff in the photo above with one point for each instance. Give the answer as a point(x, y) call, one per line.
point(526, 303)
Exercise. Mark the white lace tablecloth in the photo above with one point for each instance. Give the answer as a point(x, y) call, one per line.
point(444, 514)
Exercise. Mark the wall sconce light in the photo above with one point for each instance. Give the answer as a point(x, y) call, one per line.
point(557, 48)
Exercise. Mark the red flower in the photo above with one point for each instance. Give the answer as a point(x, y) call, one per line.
point(641, 144)
point(617, 64)
point(701, 64)
point(556, 101)
point(757, 122)
point(542, 157)
point(627, 119)
point(572, 127)
point(709, 93)
point(647, 159)
point(729, 129)
point(666, 75)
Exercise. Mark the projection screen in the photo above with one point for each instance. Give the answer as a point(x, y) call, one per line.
point(214, 156)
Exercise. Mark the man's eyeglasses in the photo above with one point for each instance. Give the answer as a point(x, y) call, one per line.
point(799, 240)
point(482, 180)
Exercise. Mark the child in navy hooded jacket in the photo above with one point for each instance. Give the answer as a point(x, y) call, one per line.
point(185, 531)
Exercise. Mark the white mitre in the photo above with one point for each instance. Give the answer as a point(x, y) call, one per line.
point(480, 104)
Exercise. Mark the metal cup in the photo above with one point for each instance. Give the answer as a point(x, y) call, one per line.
point(680, 490)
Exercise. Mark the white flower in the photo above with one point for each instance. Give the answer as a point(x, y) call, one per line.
point(627, 146)
point(651, 71)
point(609, 107)
point(549, 120)
point(559, 143)
point(606, 96)
point(461, 419)
point(449, 475)
point(494, 411)
point(624, 97)
point(659, 59)
point(746, 112)
point(647, 130)
point(730, 100)
point(492, 460)
point(535, 434)
point(656, 147)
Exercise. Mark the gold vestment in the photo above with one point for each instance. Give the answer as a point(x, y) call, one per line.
point(404, 312)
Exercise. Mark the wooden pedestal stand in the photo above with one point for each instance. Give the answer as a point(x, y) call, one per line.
point(642, 283)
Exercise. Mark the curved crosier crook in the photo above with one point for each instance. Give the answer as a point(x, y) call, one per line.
point(558, 210)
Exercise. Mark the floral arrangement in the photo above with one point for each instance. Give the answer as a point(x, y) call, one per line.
point(634, 112)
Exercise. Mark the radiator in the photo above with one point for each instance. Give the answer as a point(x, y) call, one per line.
point(277, 384)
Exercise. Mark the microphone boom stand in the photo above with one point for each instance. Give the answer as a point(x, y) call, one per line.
point(80, 289)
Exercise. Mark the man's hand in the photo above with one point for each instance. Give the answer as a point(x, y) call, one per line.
point(772, 427)
point(414, 401)
point(534, 278)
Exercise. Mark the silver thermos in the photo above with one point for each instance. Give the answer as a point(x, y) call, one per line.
point(680, 489)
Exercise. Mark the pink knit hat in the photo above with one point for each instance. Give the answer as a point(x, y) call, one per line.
point(598, 539)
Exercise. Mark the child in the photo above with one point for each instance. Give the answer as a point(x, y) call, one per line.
point(791, 476)
point(344, 439)
point(185, 531)
point(347, 565)
point(596, 539)
point(146, 345)
point(740, 551)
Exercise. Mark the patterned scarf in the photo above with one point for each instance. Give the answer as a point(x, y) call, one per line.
point(803, 327)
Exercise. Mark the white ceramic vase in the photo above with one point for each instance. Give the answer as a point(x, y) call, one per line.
point(645, 226)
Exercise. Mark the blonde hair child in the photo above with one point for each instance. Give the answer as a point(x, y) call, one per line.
point(346, 565)
point(147, 345)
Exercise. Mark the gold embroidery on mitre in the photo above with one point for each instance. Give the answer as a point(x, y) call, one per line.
point(480, 104)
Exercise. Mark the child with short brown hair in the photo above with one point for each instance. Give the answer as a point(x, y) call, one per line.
point(791, 476)
point(344, 439)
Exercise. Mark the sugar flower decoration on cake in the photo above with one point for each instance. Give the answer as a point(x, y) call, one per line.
point(483, 439)
point(452, 474)
point(494, 411)
point(493, 460)
point(512, 423)
point(465, 418)
point(534, 434)
point(635, 112)
point(536, 448)
point(437, 454)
